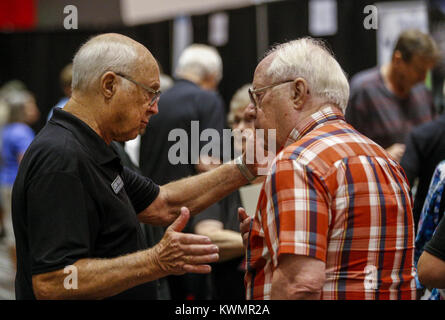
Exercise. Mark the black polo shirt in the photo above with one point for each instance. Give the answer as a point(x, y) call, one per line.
point(425, 148)
point(436, 246)
point(72, 199)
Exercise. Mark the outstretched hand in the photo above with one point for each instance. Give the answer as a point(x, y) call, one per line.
point(178, 253)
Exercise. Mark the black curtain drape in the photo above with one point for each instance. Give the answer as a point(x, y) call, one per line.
point(353, 45)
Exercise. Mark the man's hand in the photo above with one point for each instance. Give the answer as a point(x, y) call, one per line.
point(298, 277)
point(178, 253)
point(259, 146)
point(396, 151)
point(244, 226)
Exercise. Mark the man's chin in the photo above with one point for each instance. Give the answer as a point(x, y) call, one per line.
point(127, 137)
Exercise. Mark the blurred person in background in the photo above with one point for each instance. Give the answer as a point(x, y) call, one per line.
point(66, 76)
point(4, 114)
point(16, 136)
point(425, 149)
point(236, 118)
point(219, 222)
point(193, 97)
point(387, 102)
point(425, 144)
point(3, 106)
point(431, 265)
point(431, 215)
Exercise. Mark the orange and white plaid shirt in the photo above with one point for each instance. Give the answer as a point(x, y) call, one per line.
point(335, 195)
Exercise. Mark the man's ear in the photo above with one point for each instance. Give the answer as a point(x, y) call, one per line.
point(397, 58)
point(300, 93)
point(108, 84)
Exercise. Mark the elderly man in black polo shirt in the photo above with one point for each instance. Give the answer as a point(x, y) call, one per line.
point(75, 206)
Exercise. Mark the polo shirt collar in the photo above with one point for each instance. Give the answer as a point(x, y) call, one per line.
point(88, 138)
point(312, 122)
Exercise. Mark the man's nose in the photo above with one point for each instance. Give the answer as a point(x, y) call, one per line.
point(154, 108)
point(250, 113)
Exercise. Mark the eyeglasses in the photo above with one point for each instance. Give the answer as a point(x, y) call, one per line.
point(150, 91)
point(253, 92)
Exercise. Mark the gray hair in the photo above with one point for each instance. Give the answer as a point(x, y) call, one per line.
point(311, 60)
point(101, 54)
point(200, 60)
point(16, 101)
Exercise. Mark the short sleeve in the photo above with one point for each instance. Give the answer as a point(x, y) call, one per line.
point(436, 246)
point(22, 140)
point(58, 223)
point(300, 209)
point(141, 190)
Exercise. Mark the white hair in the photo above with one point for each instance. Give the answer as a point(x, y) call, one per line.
point(311, 60)
point(201, 61)
point(101, 54)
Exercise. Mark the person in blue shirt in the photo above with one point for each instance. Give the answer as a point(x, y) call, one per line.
point(65, 83)
point(16, 136)
point(431, 215)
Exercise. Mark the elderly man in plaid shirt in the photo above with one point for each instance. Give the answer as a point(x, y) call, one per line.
point(334, 216)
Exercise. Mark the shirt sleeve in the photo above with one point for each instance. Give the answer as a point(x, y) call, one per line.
point(436, 246)
point(141, 190)
point(58, 222)
point(300, 210)
point(23, 140)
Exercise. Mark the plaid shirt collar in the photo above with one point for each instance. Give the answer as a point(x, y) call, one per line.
point(315, 120)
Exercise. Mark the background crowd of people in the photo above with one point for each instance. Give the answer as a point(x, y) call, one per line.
point(390, 104)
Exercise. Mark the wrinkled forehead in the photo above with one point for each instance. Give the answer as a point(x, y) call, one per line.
point(146, 59)
point(147, 66)
point(260, 75)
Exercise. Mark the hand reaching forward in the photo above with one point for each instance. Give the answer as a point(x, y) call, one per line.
point(178, 253)
point(396, 151)
point(244, 226)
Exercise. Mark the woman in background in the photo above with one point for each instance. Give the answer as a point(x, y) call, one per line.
point(16, 136)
